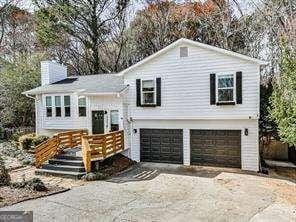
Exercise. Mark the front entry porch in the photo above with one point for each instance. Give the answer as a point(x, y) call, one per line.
point(70, 154)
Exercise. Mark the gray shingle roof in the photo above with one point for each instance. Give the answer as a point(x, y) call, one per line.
point(101, 83)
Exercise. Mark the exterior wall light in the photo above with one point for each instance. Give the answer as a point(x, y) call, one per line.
point(246, 132)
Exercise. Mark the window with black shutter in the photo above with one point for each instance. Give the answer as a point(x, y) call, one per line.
point(239, 91)
point(138, 88)
point(213, 89)
point(158, 91)
point(225, 88)
point(148, 92)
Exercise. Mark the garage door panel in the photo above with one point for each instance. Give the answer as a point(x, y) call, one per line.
point(216, 147)
point(164, 145)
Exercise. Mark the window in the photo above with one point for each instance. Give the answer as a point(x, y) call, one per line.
point(82, 106)
point(67, 106)
point(225, 88)
point(48, 104)
point(57, 104)
point(148, 92)
point(114, 120)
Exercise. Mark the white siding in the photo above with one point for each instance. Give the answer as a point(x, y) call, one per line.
point(52, 72)
point(249, 144)
point(186, 99)
point(51, 125)
point(186, 82)
point(71, 122)
point(38, 114)
point(106, 103)
point(185, 102)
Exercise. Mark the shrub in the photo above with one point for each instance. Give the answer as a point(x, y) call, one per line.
point(4, 175)
point(94, 176)
point(15, 137)
point(34, 184)
point(2, 131)
point(39, 139)
point(29, 140)
point(26, 141)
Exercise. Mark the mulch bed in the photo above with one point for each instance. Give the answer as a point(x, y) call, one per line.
point(115, 165)
point(10, 196)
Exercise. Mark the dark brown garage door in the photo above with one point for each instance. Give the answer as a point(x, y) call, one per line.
point(216, 147)
point(161, 145)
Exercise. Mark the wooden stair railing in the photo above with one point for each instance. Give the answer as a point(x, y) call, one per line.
point(55, 145)
point(45, 151)
point(101, 146)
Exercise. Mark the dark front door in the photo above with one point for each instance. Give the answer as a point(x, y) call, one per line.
point(98, 122)
point(161, 145)
point(216, 147)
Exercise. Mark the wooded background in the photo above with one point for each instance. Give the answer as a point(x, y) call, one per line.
point(106, 36)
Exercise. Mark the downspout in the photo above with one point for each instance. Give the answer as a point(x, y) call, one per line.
point(33, 97)
point(130, 121)
point(131, 135)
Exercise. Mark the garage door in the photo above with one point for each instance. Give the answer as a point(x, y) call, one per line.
point(161, 145)
point(216, 147)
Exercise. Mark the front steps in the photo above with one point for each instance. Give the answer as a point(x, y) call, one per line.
point(64, 165)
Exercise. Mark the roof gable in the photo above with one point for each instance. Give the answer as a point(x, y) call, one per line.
point(194, 44)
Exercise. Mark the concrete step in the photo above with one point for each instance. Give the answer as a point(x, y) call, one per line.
point(64, 174)
point(67, 168)
point(66, 162)
point(68, 157)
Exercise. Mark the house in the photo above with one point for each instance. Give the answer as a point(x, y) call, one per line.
point(189, 103)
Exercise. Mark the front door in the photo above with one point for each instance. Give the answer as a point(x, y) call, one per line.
point(98, 122)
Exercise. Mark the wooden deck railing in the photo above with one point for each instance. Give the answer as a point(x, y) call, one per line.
point(101, 146)
point(57, 144)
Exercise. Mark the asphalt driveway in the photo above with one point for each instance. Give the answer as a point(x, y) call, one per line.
point(149, 193)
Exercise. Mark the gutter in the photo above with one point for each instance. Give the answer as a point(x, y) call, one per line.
point(31, 97)
point(195, 117)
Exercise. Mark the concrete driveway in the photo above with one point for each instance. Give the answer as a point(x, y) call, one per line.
point(150, 193)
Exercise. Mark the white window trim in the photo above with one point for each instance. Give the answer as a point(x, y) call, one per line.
point(46, 106)
point(82, 106)
point(64, 106)
point(112, 110)
point(234, 87)
point(148, 92)
point(55, 114)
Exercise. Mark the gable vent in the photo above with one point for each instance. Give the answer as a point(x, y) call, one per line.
point(183, 52)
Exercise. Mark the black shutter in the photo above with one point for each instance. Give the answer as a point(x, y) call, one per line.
point(158, 91)
point(213, 89)
point(239, 98)
point(138, 87)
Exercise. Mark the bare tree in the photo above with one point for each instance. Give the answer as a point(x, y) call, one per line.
point(277, 20)
point(4, 11)
point(87, 25)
